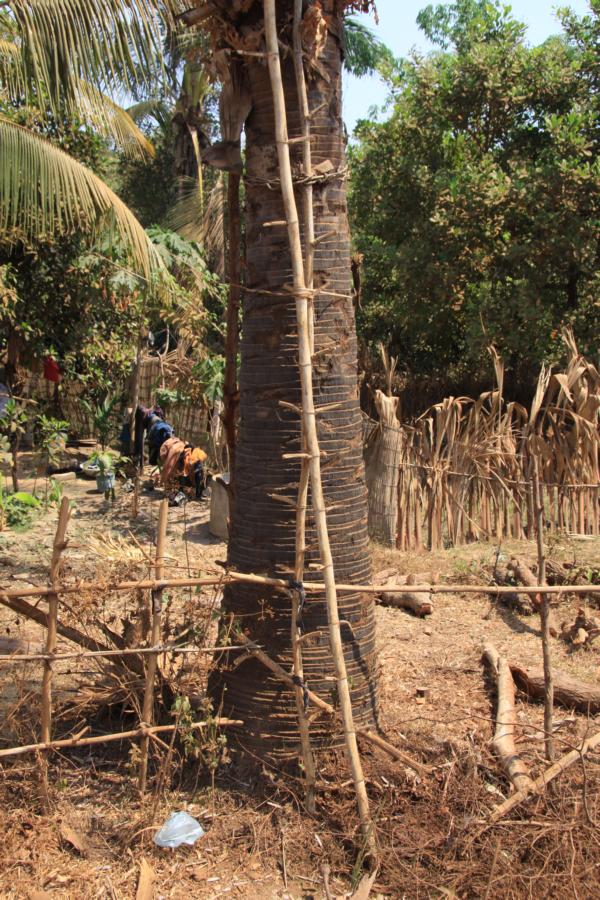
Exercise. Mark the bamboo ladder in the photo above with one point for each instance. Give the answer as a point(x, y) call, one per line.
point(303, 297)
point(310, 770)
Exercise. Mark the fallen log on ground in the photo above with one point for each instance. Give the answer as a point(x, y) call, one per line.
point(582, 631)
point(539, 785)
point(131, 664)
point(22, 608)
point(506, 720)
point(419, 602)
point(519, 602)
point(568, 691)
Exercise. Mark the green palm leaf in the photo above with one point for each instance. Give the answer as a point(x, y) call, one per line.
point(198, 221)
point(151, 109)
point(44, 191)
point(112, 121)
point(11, 71)
point(110, 43)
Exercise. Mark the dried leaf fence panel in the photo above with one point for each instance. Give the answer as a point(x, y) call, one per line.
point(190, 421)
point(464, 466)
point(151, 377)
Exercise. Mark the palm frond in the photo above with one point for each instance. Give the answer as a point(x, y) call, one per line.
point(110, 43)
point(150, 109)
point(11, 70)
point(44, 191)
point(112, 121)
point(198, 221)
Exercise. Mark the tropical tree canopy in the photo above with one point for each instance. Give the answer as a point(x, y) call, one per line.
point(66, 60)
point(476, 205)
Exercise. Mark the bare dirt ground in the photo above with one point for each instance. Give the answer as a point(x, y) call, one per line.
point(436, 705)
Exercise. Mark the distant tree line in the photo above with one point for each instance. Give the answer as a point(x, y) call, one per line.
point(476, 204)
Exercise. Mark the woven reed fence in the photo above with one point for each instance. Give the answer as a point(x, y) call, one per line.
point(464, 471)
point(189, 418)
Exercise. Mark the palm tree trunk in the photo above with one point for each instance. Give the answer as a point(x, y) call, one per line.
point(262, 533)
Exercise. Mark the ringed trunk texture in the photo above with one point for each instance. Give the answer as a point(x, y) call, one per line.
point(262, 529)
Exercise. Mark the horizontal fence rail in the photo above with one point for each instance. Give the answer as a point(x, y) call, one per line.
point(13, 599)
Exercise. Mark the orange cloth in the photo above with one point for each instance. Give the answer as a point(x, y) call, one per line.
point(192, 456)
point(170, 452)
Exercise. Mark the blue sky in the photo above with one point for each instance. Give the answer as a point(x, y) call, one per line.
point(398, 28)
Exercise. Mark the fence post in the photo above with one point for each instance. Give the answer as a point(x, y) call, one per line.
point(148, 705)
point(52, 626)
point(544, 609)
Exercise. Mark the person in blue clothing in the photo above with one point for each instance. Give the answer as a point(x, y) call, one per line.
point(158, 431)
point(150, 427)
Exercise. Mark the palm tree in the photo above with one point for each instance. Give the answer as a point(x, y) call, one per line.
point(62, 57)
point(64, 43)
point(262, 534)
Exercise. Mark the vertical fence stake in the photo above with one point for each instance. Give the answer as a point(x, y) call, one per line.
point(57, 549)
point(135, 401)
point(544, 612)
point(148, 705)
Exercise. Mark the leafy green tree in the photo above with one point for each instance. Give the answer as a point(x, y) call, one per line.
point(476, 205)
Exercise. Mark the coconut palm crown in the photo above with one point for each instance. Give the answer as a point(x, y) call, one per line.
point(72, 58)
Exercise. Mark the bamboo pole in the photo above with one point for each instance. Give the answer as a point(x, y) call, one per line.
point(8, 597)
point(108, 738)
point(544, 615)
point(135, 402)
point(546, 777)
point(302, 295)
point(52, 620)
point(148, 705)
point(101, 654)
point(392, 751)
point(308, 759)
point(232, 337)
point(307, 190)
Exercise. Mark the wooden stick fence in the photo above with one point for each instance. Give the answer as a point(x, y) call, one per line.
point(147, 709)
point(145, 730)
point(52, 627)
point(110, 738)
point(310, 587)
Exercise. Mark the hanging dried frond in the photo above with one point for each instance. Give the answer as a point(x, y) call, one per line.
point(197, 221)
point(314, 32)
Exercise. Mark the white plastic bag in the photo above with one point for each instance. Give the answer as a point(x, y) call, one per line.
point(180, 828)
